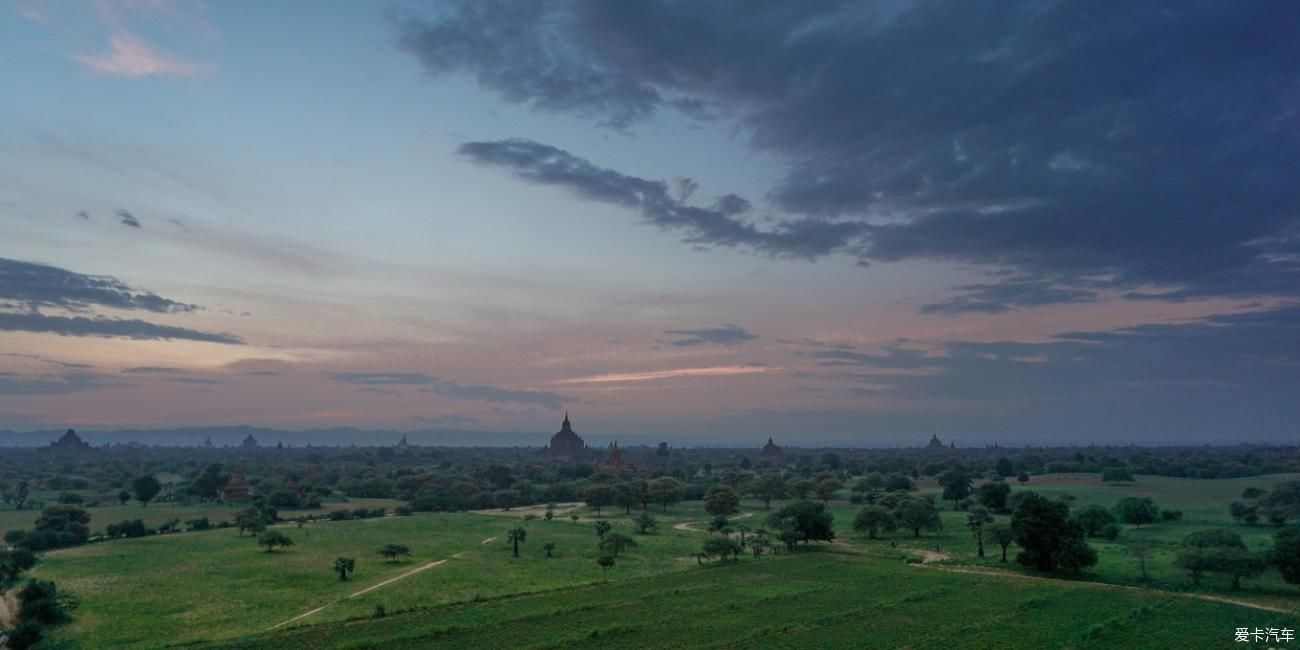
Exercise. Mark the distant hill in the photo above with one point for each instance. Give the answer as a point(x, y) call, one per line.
point(234, 435)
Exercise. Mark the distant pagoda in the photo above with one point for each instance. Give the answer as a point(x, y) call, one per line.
point(250, 442)
point(935, 443)
point(236, 489)
point(403, 444)
point(565, 442)
point(69, 441)
point(615, 464)
point(771, 450)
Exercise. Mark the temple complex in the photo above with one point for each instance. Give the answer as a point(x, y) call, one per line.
point(565, 442)
point(770, 450)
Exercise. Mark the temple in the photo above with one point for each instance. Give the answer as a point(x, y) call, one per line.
point(236, 488)
point(403, 444)
point(69, 441)
point(615, 464)
point(935, 443)
point(565, 442)
point(249, 442)
point(770, 450)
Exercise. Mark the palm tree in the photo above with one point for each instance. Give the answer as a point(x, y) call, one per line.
point(975, 520)
point(605, 562)
point(549, 547)
point(602, 527)
point(516, 535)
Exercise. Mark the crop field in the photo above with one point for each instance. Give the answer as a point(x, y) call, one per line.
point(803, 600)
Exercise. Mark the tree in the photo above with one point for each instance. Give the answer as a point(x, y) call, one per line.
point(826, 489)
point(803, 521)
point(1002, 535)
point(722, 500)
point(249, 519)
point(916, 514)
point(1093, 518)
point(123, 497)
point(515, 536)
point(1286, 554)
point(14, 562)
point(898, 483)
point(759, 542)
point(616, 543)
point(146, 488)
point(343, 566)
point(1137, 510)
point(993, 495)
point(1281, 503)
point(976, 520)
point(1244, 513)
point(602, 527)
point(719, 524)
point(550, 511)
point(956, 485)
point(768, 486)
point(1218, 551)
point(722, 547)
point(549, 547)
point(1003, 467)
point(391, 551)
point(1141, 550)
point(666, 491)
point(1048, 538)
point(1023, 477)
point(273, 538)
point(645, 522)
point(605, 562)
point(874, 519)
point(598, 496)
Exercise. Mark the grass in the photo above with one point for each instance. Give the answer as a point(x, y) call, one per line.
point(802, 600)
point(218, 587)
point(188, 587)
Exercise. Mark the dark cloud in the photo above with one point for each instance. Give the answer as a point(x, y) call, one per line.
point(84, 215)
point(128, 219)
point(106, 327)
point(38, 285)
point(451, 389)
point(1002, 296)
point(893, 357)
point(723, 335)
point(74, 382)
point(153, 370)
point(1140, 144)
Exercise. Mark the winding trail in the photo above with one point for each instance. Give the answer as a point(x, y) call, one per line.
point(686, 525)
point(424, 567)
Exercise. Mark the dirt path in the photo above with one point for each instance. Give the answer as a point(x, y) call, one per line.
point(927, 564)
point(424, 567)
point(490, 539)
point(538, 510)
point(8, 608)
point(686, 525)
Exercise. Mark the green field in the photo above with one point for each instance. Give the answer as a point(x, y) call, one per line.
point(218, 587)
point(804, 600)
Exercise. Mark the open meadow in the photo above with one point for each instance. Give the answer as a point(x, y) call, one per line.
point(461, 585)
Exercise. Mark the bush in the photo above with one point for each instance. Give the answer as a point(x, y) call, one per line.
point(1171, 515)
point(403, 511)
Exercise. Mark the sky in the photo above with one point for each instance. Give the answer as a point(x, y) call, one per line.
point(833, 223)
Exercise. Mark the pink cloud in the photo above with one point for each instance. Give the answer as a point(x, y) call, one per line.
point(715, 371)
point(131, 57)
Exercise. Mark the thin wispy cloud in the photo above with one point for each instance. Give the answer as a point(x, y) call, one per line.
point(129, 56)
point(654, 375)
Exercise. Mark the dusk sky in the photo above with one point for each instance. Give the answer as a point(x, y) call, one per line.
point(706, 223)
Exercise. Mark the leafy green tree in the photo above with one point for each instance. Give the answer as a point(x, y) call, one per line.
point(605, 562)
point(1093, 518)
point(1046, 535)
point(1116, 475)
point(873, 520)
point(1004, 468)
point(550, 511)
point(1286, 554)
point(803, 521)
point(273, 538)
point(826, 489)
point(602, 527)
point(666, 491)
point(1243, 513)
point(917, 514)
point(1002, 535)
point(1141, 550)
point(392, 551)
point(249, 519)
point(1137, 510)
point(767, 487)
point(1282, 503)
point(1218, 551)
point(515, 536)
point(722, 547)
point(343, 566)
point(549, 547)
point(123, 497)
point(976, 520)
point(599, 496)
point(722, 500)
point(615, 543)
point(645, 522)
point(146, 488)
point(898, 483)
point(956, 484)
point(993, 495)
point(720, 524)
point(759, 543)
point(1023, 477)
